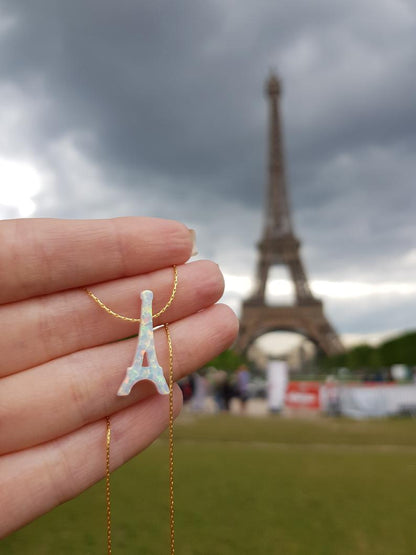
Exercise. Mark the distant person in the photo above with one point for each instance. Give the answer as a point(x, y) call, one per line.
point(199, 393)
point(187, 386)
point(223, 391)
point(243, 380)
point(333, 398)
point(227, 392)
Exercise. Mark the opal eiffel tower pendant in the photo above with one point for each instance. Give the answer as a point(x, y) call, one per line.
point(145, 346)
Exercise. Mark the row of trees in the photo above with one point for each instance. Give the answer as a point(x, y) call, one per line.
point(229, 361)
point(400, 350)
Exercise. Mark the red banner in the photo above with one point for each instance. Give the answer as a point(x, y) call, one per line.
point(303, 395)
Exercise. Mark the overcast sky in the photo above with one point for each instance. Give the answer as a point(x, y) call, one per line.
point(157, 108)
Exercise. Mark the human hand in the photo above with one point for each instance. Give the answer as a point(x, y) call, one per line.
point(61, 363)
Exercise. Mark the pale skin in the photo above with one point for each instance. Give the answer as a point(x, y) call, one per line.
point(61, 365)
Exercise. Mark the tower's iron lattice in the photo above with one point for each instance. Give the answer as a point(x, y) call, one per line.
point(279, 246)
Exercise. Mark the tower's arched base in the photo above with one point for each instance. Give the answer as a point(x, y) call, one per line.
point(309, 320)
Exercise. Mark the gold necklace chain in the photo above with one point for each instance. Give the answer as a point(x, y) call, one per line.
point(171, 459)
point(107, 483)
point(171, 421)
point(137, 320)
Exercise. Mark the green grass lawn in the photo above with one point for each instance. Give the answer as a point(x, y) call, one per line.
point(251, 486)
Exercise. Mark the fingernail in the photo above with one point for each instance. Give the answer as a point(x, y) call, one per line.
point(193, 236)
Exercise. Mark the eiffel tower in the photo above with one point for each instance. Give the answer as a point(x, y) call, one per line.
point(279, 246)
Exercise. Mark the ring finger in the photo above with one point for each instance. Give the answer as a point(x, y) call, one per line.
point(80, 388)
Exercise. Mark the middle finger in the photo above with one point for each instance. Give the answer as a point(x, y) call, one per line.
point(44, 328)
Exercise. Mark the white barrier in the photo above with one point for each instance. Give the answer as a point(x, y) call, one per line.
point(372, 401)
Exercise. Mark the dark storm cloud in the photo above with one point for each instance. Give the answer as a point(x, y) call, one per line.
point(160, 105)
point(140, 77)
point(177, 86)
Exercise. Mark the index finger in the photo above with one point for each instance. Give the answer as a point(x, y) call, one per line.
point(41, 256)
